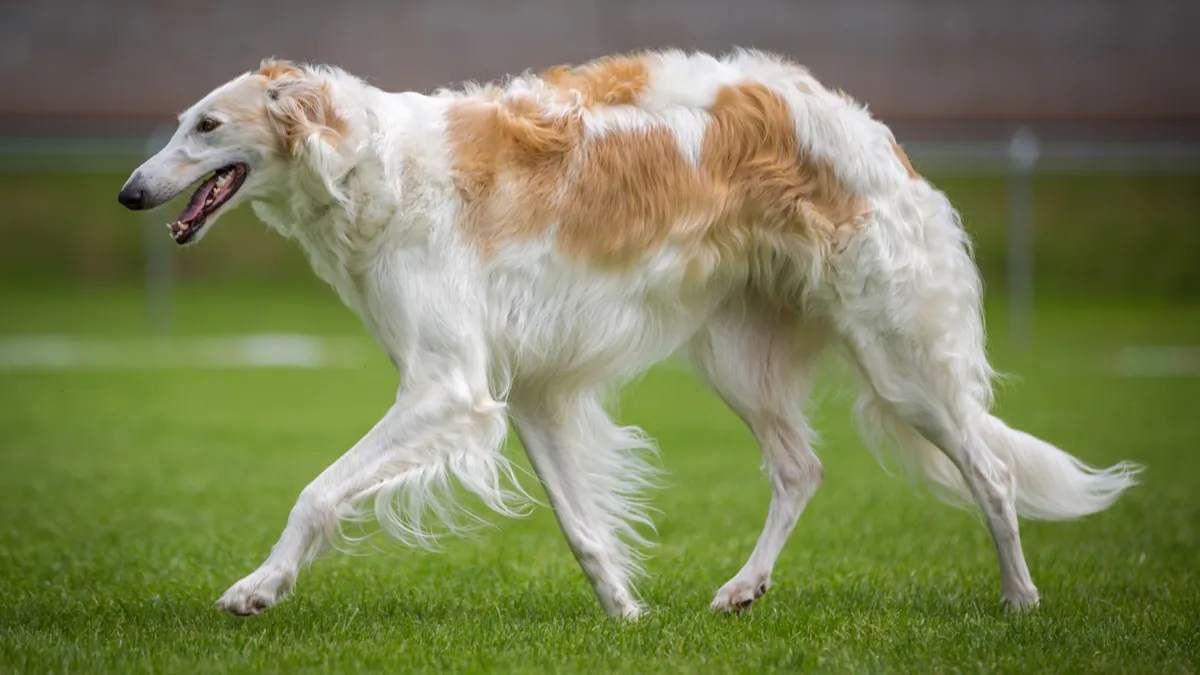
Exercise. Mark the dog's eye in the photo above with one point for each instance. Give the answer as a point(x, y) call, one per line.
point(207, 124)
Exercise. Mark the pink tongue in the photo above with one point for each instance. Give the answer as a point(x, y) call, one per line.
point(195, 205)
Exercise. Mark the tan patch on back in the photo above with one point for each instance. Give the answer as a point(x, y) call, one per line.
point(508, 158)
point(613, 80)
point(622, 194)
point(630, 192)
point(903, 156)
point(520, 171)
point(758, 167)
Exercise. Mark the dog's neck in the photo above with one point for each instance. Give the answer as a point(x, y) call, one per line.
point(359, 199)
point(328, 228)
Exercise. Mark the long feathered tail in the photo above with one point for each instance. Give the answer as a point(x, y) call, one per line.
point(1050, 484)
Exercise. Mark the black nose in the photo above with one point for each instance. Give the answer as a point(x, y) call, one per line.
point(132, 196)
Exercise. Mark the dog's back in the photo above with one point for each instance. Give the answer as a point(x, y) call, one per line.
point(628, 157)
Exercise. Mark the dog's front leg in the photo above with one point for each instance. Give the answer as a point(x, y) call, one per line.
point(418, 432)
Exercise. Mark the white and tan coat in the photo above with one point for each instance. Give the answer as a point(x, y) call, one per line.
point(516, 249)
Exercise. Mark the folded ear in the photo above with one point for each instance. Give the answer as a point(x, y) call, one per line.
point(300, 108)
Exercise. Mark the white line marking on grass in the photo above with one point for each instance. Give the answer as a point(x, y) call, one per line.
point(62, 352)
point(271, 350)
point(1155, 361)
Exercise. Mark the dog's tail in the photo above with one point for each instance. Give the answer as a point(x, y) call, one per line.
point(1050, 484)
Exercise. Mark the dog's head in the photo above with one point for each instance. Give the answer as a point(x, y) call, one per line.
point(237, 142)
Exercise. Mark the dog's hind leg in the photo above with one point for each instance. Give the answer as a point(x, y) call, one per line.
point(911, 400)
point(594, 474)
point(908, 311)
point(404, 463)
point(762, 363)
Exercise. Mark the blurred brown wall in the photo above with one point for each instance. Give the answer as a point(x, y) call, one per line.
point(935, 60)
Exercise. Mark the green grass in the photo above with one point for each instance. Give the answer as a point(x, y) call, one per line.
point(129, 500)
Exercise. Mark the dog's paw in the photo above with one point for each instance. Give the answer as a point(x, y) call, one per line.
point(620, 604)
point(739, 595)
point(260, 590)
point(1024, 600)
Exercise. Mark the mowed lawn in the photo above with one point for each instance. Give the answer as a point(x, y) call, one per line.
point(131, 498)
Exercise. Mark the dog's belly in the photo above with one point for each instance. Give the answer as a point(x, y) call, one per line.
point(571, 326)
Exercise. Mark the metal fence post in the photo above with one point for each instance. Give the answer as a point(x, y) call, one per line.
point(1023, 152)
point(159, 261)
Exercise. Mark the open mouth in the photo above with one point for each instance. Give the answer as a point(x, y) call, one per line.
point(212, 194)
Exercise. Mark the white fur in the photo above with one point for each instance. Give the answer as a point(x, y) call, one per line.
point(536, 337)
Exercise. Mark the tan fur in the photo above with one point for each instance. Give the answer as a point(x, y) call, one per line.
point(903, 156)
point(299, 106)
point(628, 193)
point(614, 80)
point(508, 160)
point(273, 69)
point(757, 165)
point(520, 170)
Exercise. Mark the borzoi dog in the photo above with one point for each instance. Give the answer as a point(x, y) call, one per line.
point(516, 249)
